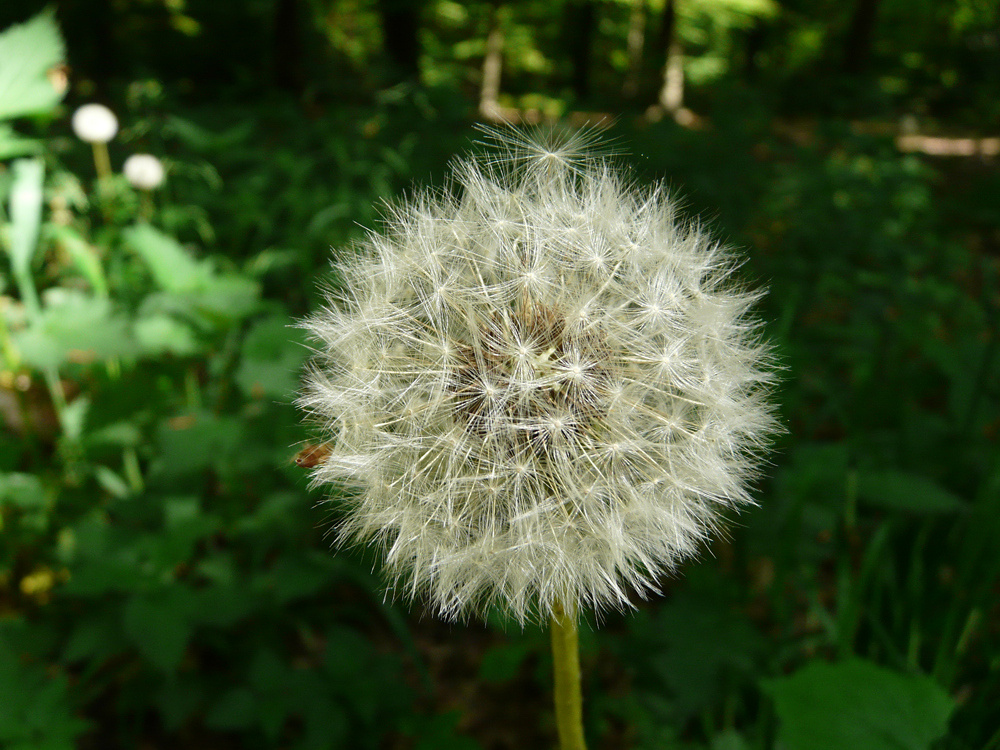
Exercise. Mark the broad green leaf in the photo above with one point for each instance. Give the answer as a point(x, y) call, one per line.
point(729, 739)
point(112, 482)
point(276, 511)
point(36, 710)
point(502, 662)
point(180, 511)
point(236, 709)
point(441, 731)
point(194, 442)
point(181, 697)
point(117, 433)
point(28, 52)
point(293, 578)
point(271, 677)
point(898, 490)
point(272, 357)
point(12, 144)
point(223, 606)
point(25, 220)
point(226, 297)
point(699, 643)
point(164, 334)
point(22, 490)
point(858, 704)
point(97, 635)
point(158, 626)
point(74, 327)
point(203, 139)
point(83, 255)
point(173, 268)
point(74, 417)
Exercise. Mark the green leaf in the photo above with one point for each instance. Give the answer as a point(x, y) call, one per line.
point(158, 626)
point(441, 731)
point(116, 433)
point(83, 255)
point(25, 220)
point(502, 663)
point(729, 739)
point(95, 636)
point(173, 268)
point(74, 326)
point(272, 357)
point(898, 490)
point(179, 698)
point(36, 709)
point(27, 52)
point(163, 334)
point(112, 482)
point(12, 144)
point(857, 704)
point(236, 709)
point(203, 139)
point(227, 297)
point(294, 578)
point(699, 643)
point(74, 417)
point(194, 442)
point(276, 511)
point(223, 606)
point(21, 490)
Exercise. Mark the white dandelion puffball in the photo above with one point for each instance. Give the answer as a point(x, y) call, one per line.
point(143, 171)
point(94, 123)
point(540, 389)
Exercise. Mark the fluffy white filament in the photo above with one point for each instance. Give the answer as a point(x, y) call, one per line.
point(539, 387)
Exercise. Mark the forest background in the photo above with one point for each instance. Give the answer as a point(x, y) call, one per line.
point(165, 573)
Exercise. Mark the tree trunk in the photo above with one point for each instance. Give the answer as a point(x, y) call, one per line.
point(672, 91)
point(634, 45)
point(286, 67)
point(667, 22)
point(858, 46)
point(489, 90)
point(400, 28)
point(753, 45)
point(580, 22)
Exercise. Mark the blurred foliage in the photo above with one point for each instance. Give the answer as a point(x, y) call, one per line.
point(164, 577)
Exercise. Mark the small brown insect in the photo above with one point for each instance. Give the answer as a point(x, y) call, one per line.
point(312, 455)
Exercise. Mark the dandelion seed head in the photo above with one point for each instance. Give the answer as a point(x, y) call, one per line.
point(144, 171)
point(94, 123)
point(539, 388)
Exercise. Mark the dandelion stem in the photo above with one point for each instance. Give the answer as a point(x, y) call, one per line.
point(102, 162)
point(566, 670)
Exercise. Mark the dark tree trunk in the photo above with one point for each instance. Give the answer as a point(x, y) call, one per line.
point(489, 89)
point(400, 31)
point(635, 43)
point(753, 45)
point(89, 29)
point(286, 68)
point(667, 22)
point(671, 96)
point(858, 46)
point(580, 22)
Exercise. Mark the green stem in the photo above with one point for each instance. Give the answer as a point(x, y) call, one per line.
point(566, 670)
point(146, 205)
point(102, 162)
